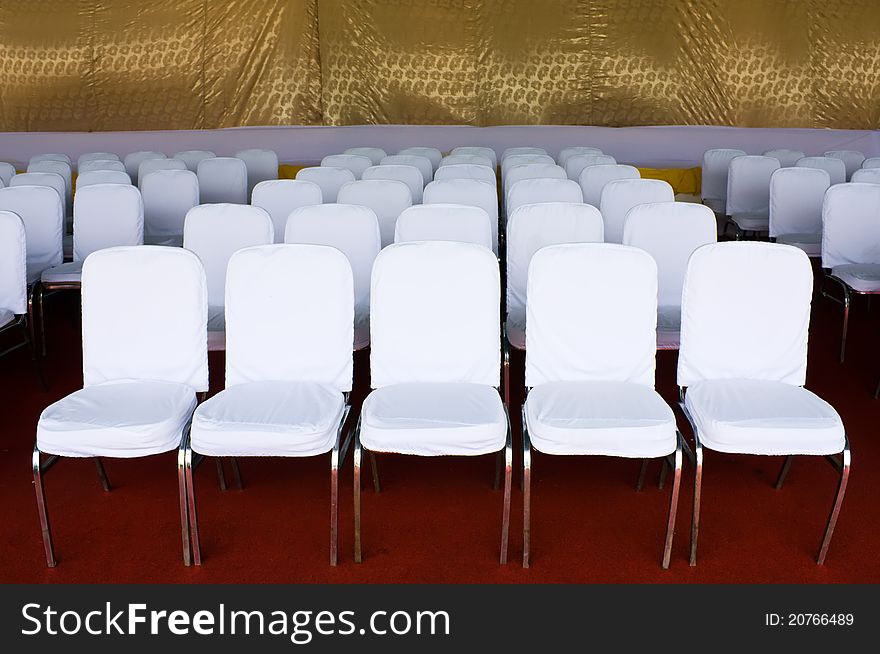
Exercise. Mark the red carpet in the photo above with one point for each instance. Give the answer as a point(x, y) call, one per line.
point(438, 520)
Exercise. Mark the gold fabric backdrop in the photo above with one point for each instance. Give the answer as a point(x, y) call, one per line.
point(199, 64)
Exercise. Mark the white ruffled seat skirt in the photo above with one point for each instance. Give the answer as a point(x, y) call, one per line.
point(605, 418)
point(434, 419)
point(809, 243)
point(66, 273)
point(117, 419)
point(516, 328)
point(744, 416)
point(863, 277)
point(361, 327)
point(752, 222)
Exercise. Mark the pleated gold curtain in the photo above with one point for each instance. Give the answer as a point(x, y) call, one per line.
point(200, 64)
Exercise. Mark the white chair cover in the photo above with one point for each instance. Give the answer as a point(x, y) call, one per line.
point(101, 164)
point(748, 185)
point(467, 171)
point(850, 225)
point(93, 156)
point(279, 197)
point(576, 163)
point(356, 163)
point(133, 162)
point(531, 171)
point(852, 160)
point(51, 180)
point(388, 198)
point(13, 265)
point(787, 158)
point(328, 178)
point(432, 154)
point(40, 209)
point(434, 315)
point(7, 172)
point(191, 158)
point(796, 196)
point(472, 159)
point(867, 176)
point(444, 222)
point(714, 169)
point(509, 161)
point(471, 192)
point(375, 155)
point(61, 168)
point(835, 168)
point(422, 163)
point(105, 216)
point(870, 162)
point(483, 151)
point(262, 165)
point(152, 165)
point(512, 152)
point(409, 175)
point(50, 157)
point(102, 177)
point(571, 151)
point(542, 189)
point(745, 313)
point(168, 196)
point(594, 178)
point(621, 195)
point(222, 180)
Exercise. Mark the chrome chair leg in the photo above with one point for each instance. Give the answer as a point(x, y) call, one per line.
point(182, 498)
point(236, 473)
point(527, 493)
point(221, 474)
point(35, 360)
point(698, 482)
point(838, 500)
point(31, 313)
point(41, 508)
point(508, 480)
point(643, 469)
point(673, 503)
point(358, 453)
point(334, 503)
point(664, 466)
point(42, 312)
point(102, 474)
point(783, 472)
point(195, 543)
point(499, 464)
point(374, 467)
point(846, 303)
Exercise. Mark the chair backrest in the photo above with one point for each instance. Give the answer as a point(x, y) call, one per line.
point(13, 263)
point(867, 176)
point(531, 171)
point(512, 152)
point(375, 155)
point(575, 164)
point(7, 172)
point(279, 197)
point(621, 195)
point(351, 229)
point(850, 225)
point(269, 290)
point(748, 184)
point(796, 196)
point(191, 158)
point(223, 180)
point(871, 162)
point(573, 150)
point(262, 165)
point(95, 156)
point(101, 164)
point(512, 160)
point(102, 177)
point(434, 314)
point(106, 216)
point(467, 171)
point(50, 157)
point(670, 232)
point(151, 165)
point(759, 293)
point(387, 197)
point(714, 168)
point(471, 192)
point(472, 159)
point(835, 168)
point(534, 226)
point(852, 160)
point(214, 231)
point(542, 189)
point(422, 163)
point(787, 158)
point(481, 150)
point(356, 163)
point(409, 175)
point(168, 196)
point(133, 161)
point(431, 154)
point(444, 222)
point(591, 315)
point(51, 180)
point(42, 213)
point(59, 167)
point(328, 178)
point(594, 178)
point(144, 316)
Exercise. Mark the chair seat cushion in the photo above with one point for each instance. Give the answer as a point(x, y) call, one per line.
point(718, 205)
point(809, 243)
point(752, 222)
point(747, 416)
point(863, 277)
point(169, 240)
point(216, 329)
point(66, 273)
point(268, 418)
point(668, 327)
point(117, 419)
point(361, 327)
point(600, 418)
point(516, 328)
point(6, 317)
point(430, 419)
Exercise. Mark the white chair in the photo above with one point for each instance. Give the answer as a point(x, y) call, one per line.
point(144, 359)
point(480, 150)
point(328, 178)
point(409, 175)
point(168, 196)
point(214, 233)
point(531, 171)
point(192, 158)
point(262, 166)
point(356, 163)
point(867, 176)
point(748, 193)
point(467, 171)
point(571, 151)
point(471, 159)
point(422, 163)
point(101, 164)
point(594, 178)
point(471, 192)
point(223, 180)
point(713, 184)
point(745, 395)
point(102, 177)
point(386, 197)
point(7, 172)
point(590, 361)
point(670, 232)
point(279, 197)
point(152, 165)
point(61, 168)
point(621, 195)
point(431, 154)
point(40, 209)
point(50, 180)
point(50, 157)
point(444, 222)
point(576, 163)
point(509, 162)
point(851, 243)
point(542, 189)
point(375, 155)
point(870, 162)
point(280, 406)
point(94, 156)
point(439, 400)
point(133, 160)
point(852, 160)
point(835, 168)
point(796, 196)
point(787, 158)
point(354, 231)
point(512, 152)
